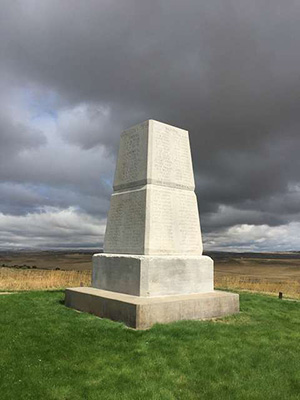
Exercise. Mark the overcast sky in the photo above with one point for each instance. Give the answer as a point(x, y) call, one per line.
point(75, 73)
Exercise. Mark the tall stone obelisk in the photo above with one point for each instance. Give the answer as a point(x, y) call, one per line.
point(152, 269)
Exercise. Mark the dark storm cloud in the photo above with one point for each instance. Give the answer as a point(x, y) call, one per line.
point(228, 71)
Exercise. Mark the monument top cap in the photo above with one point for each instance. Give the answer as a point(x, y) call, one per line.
point(154, 153)
point(154, 121)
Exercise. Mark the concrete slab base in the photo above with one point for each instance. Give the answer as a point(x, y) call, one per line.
point(142, 312)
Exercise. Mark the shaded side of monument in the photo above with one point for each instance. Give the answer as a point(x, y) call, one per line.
point(152, 269)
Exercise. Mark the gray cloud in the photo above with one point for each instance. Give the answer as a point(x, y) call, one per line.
point(15, 137)
point(64, 228)
point(228, 71)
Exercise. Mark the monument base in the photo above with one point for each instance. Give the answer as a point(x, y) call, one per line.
point(142, 312)
point(153, 275)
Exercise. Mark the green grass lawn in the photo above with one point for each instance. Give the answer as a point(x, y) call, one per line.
point(48, 351)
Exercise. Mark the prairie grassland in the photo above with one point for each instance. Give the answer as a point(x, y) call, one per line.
point(57, 270)
point(268, 275)
point(66, 260)
point(289, 288)
point(15, 279)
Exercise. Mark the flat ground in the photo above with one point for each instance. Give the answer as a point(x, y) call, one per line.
point(51, 352)
point(272, 266)
point(269, 266)
point(49, 260)
point(269, 273)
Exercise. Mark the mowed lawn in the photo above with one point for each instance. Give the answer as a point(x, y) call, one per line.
point(48, 351)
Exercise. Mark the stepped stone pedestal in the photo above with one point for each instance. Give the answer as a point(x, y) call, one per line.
point(152, 269)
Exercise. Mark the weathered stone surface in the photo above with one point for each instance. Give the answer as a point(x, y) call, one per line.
point(172, 222)
point(157, 153)
point(132, 160)
point(154, 208)
point(142, 312)
point(153, 220)
point(126, 223)
point(151, 276)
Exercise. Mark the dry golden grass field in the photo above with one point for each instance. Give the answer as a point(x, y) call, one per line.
point(271, 274)
point(268, 273)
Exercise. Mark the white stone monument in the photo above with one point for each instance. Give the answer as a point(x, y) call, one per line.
point(152, 269)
